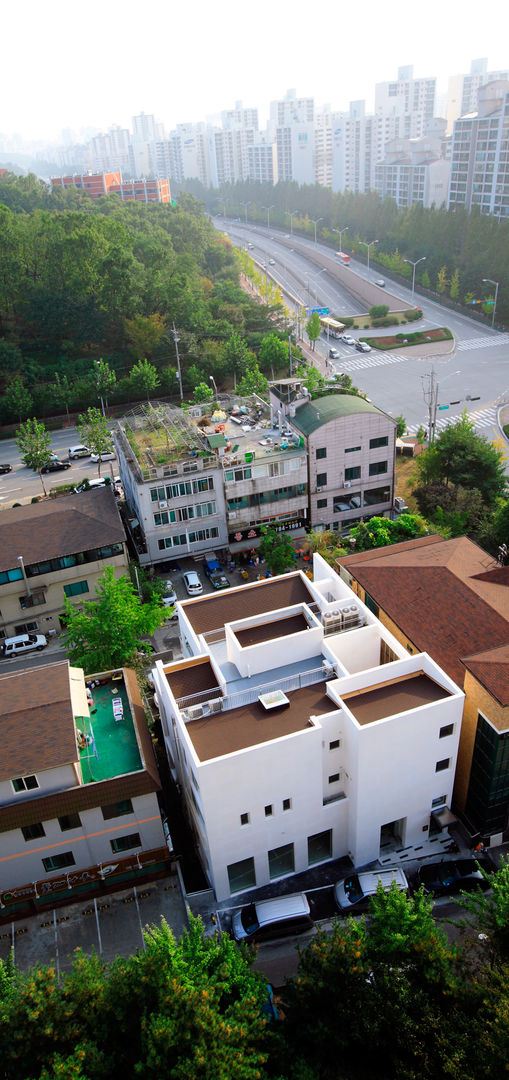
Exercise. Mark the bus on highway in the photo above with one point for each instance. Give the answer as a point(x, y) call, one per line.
point(342, 258)
point(331, 327)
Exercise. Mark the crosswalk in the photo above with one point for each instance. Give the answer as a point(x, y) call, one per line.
point(481, 418)
point(482, 342)
point(354, 363)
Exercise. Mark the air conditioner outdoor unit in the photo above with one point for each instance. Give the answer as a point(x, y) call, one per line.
point(195, 711)
point(319, 489)
point(163, 504)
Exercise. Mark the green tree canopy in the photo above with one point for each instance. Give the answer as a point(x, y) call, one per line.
point(144, 378)
point(313, 328)
point(380, 531)
point(252, 381)
point(203, 392)
point(461, 458)
point(105, 379)
point(34, 443)
point(17, 399)
point(94, 432)
point(273, 352)
point(107, 632)
point(277, 549)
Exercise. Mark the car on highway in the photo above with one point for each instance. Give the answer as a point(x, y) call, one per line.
point(192, 583)
point(451, 876)
point(107, 455)
point(380, 282)
point(55, 465)
point(347, 339)
point(362, 346)
point(5, 469)
point(272, 262)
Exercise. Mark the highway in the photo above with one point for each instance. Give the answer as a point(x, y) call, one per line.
point(474, 376)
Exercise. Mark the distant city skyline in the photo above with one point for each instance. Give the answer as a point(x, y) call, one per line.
point(86, 70)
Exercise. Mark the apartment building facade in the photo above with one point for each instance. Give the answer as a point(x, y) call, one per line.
point(53, 550)
point(78, 786)
point(480, 154)
point(300, 730)
point(414, 171)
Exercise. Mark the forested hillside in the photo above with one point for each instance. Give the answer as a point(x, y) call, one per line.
point(83, 280)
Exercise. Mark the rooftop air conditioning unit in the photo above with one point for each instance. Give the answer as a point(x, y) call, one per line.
point(163, 504)
point(195, 711)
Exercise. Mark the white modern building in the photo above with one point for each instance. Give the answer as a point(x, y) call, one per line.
point(301, 731)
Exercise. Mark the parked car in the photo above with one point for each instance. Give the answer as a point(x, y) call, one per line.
point(362, 346)
point(347, 339)
point(451, 876)
point(22, 643)
point(78, 451)
point(192, 583)
point(5, 469)
point(55, 466)
point(273, 918)
point(171, 596)
point(107, 455)
point(354, 893)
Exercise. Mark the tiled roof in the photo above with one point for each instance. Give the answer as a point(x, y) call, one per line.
point(322, 410)
point(56, 527)
point(491, 669)
point(445, 595)
point(36, 720)
point(215, 610)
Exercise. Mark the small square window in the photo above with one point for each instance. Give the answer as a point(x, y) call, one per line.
point(268, 810)
point(446, 730)
point(321, 479)
point(244, 819)
point(442, 765)
point(287, 804)
point(335, 744)
point(440, 800)
point(321, 504)
point(118, 809)
point(321, 452)
point(334, 778)
point(33, 832)
point(25, 783)
point(69, 821)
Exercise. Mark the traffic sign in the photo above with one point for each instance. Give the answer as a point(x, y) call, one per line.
point(440, 407)
point(320, 310)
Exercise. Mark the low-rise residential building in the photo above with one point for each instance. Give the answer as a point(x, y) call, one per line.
point(450, 598)
point(300, 730)
point(54, 549)
point(78, 786)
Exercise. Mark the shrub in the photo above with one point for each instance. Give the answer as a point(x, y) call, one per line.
point(413, 315)
point(366, 326)
point(389, 320)
point(347, 320)
point(379, 311)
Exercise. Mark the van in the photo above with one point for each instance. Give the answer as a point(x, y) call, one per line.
point(354, 893)
point(16, 646)
point(267, 919)
point(78, 452)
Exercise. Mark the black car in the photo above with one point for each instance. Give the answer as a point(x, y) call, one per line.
point(56, 466)
point(5, 469)
point(450, 877)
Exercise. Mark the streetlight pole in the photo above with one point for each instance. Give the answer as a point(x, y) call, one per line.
point(314, 278)
point(245, 205)
point(268, 209)
point(179, 373)
point(414, 264)
point(369, 246)
point(315, 223)
point(213, 381)
point(341, 231)
point(291, 215)
point(496, 284)
point(98, 369)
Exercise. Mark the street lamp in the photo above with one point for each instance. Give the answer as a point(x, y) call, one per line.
point(341, 231)
point(98, 371)
point(179, 373)
point(213, 381)
point(369, 246)
point(291, 215)
point(268, 209)
point(314, 278)
point(315, 223)
point(414, 264)
point(245, 205)
point(496, 284)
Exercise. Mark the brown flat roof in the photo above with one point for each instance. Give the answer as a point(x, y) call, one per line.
point(253, 635)
point(215, 610)
point(191, 678)
point(237, 729)
point(394, 697)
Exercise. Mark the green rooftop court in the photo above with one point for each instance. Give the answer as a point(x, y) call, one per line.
point(107, 741)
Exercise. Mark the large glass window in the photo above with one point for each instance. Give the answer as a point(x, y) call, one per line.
point(382, 440)
point(76, 588)
point(319, 847)
point(117, 809)
point(59, 862)
point(353, 473)
point(241, 875)
point(125, 843)
point(376, 468)
point(377, 495)
point(281, 861)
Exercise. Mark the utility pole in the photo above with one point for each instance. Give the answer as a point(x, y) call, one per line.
point(290, 352)
point(179, 373)
point(430, 393)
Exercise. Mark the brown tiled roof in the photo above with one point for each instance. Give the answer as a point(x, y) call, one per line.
point(250, 725)
point(492, 671)
point(215, 610)
point(36, 720)
point(28, 810)
point(393, 698)
point(445, 595)
point(266, 631)
point(141, 727)
point(56, 527)
point(192, 678)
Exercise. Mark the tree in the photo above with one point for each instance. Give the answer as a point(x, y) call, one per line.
point(105, 380)
point(313, 379)
point(425, 280)
point(380, 531)
point(94, 432)
point(63, 392)
point(273, 353)
point(235, 353)
point(34, 443)
point(454, 289)
point(252, 381)
point(144, 378)
point(202, 392)
point(379, 311)
point(461, 458)
point(442, 280)
point(277, 549)
point(489, 914)
point(400, 426)
point(144, 334)
point(313, 329)
point(107, 632)
point(17, 399)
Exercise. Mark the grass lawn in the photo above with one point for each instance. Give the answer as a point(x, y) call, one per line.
point(410, 337)
point(405, 480)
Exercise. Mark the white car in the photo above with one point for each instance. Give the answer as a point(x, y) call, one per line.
point(107, 455)
point(347, 339)
point(362, 346)
point(192, 583)
point(272, 262)
point(171, 596)
point(380, 282)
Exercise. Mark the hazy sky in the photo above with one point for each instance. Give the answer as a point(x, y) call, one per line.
point(73, 64)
